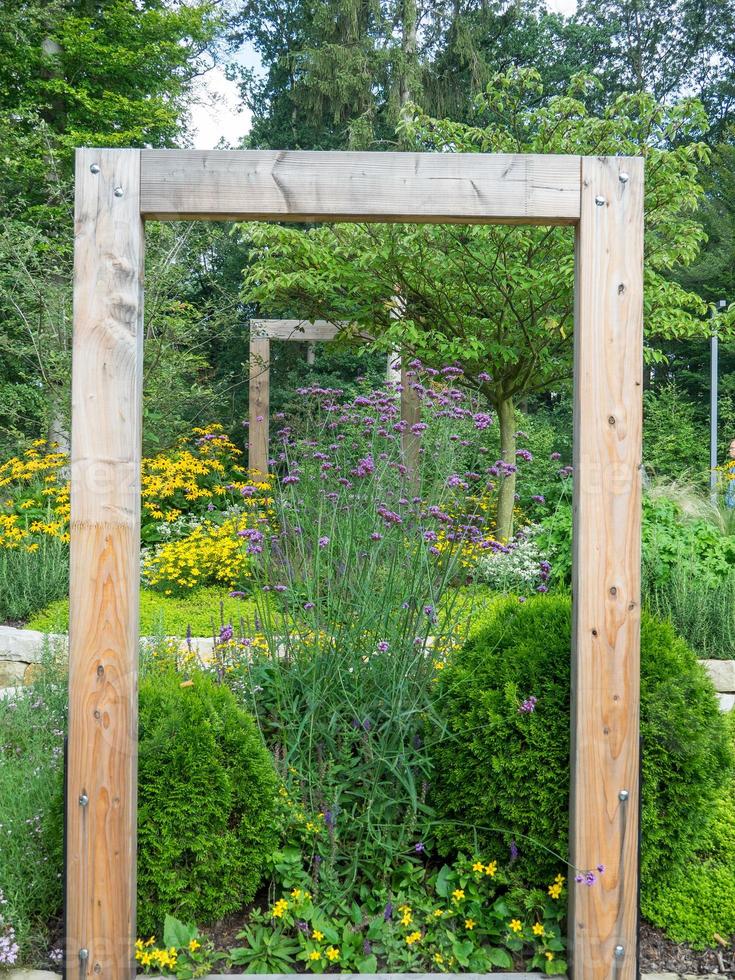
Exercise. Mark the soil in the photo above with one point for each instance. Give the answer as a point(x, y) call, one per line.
point(662, 955)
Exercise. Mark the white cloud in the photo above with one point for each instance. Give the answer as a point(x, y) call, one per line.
point(566, 7)
point(217, 112)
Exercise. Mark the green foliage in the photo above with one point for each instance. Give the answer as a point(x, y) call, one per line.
point(32, 728)
point(503, 774)
point(207, 793)
point(462, 915)
point(701, 613)
point(697, 902)
point(672, 440)
point(29, 580)
point(202, 611)
point(670, 540)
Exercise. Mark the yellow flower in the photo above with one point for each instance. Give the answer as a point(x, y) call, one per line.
point(438, 958)
point(560, 879)
point(316, 934)
point(478, 866)
point(469, 923)
point(491, 869)
point(194, 945)
point(413, 937)
point(549, 955)
point(516, 926)
point(438, 913)
point(296, 893)
point(406, 919)
point(538, 929)
point(458, 894)
point(279, 908)
point(555, 890)
point(332, 953)
point(315, 955)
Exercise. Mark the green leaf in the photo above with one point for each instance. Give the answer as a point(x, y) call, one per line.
point(367, 964)
point(443, 881)
point(501, 958)
point(177, 934)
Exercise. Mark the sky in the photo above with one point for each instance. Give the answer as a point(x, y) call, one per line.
point(218, 113)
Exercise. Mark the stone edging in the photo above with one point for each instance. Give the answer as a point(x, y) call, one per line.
point(21, 650)
point(21, 974)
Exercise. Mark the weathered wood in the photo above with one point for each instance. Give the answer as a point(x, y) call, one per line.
point(306, 331)
point(259, 403)
point(606, 568)
point(105, 566)
point(410, 440)
point(296, 185)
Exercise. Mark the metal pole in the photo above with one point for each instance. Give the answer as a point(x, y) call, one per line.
point(714, 352)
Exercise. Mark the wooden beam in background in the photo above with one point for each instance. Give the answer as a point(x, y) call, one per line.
point(107, 390)
point(606, 569)
point(299, 185)
point(307, 331)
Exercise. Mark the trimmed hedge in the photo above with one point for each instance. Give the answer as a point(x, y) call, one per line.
point(206, 809)
point(503, 775)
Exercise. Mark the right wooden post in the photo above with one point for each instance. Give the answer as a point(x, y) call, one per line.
point(604, 801)
point(259, 403)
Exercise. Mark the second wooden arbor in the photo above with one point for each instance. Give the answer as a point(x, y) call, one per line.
point(116, 192)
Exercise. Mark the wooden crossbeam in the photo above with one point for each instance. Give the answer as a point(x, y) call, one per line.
point(302, 185)
point(306, 331)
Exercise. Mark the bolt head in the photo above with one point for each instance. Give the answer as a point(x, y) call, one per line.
point(623, 795)
point(83, 954)
point(599, 200)
point(619, 951)
point(623, 177)
point(95, 168)
point(118, 192)
point(83, 799)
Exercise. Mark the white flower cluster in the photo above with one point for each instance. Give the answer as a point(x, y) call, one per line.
point(516, 570)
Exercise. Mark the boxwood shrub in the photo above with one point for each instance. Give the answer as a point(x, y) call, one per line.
point(207, 796)
point(502, 775)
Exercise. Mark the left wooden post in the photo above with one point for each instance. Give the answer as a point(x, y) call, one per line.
point(105, 548)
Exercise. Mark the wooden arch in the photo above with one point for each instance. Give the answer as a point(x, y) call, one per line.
point(116, 192)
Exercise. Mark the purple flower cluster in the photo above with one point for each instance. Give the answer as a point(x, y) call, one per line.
point(528, 706)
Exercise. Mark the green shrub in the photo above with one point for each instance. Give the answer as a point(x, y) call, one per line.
point(160, 614)
point(207, 794)
point(29, 580)
point(207, 797)
point(503, 774)
point(703, 615)
point(695, 902)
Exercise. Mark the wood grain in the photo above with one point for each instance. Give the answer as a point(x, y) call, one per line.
point(606, 568)
point(410, 441)
point(296, 185)
point(105, 566)
point(305, 331)
point(259, 403)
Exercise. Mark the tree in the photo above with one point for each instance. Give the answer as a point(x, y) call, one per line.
point(497, 300)
point(73, 73)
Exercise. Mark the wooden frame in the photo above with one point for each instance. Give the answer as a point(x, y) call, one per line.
point(116, 190)
point(309, 332)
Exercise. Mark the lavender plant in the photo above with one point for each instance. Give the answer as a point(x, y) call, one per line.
point(355, 602)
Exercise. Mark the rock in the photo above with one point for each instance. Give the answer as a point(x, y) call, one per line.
point(26, 645)
point(727, 702)
point(12, 672)
point(31, 975)
point(722, 673)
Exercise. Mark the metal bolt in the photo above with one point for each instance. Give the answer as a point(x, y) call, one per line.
point(619, 952)
point(599, 200)
point(83, 799)
point(623, 795)
point(623, 177)
point(83, 954)
point(95, 168)
point(118, 192)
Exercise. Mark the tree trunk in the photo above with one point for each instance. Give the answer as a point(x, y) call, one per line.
point(507, 484)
